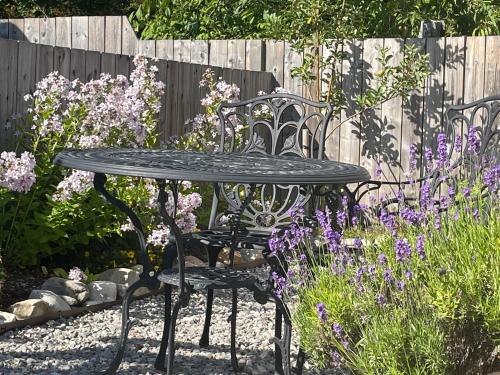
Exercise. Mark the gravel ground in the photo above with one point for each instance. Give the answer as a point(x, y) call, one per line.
point(86, 344)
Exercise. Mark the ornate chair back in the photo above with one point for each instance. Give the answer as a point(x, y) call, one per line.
point(276, 124)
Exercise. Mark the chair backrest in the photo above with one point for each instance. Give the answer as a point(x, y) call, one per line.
point(276, 124)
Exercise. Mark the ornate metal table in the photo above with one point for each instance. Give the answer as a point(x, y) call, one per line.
point(171, 167)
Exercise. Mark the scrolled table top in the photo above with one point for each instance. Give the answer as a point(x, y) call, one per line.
point(213, 167)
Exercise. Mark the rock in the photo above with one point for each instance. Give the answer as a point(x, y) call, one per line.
point(122, 289)
point(63, 287)
point(55, 302)
point(125, 276)
point(192, 261)
point(30, 308)
point(137, 267)
point(243, 260)
point(92, 303)
point(102, 291)
point(6, 317)
point(70, 300)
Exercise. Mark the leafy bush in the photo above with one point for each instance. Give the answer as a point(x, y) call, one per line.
point(417, 295)
point(293, 19)
point(60, 212)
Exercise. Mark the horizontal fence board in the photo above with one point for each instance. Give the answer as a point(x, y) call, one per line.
point(464, 69)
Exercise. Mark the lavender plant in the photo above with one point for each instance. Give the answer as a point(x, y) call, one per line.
point(419, 295)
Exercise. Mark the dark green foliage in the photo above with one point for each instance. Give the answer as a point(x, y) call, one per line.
point(292, 19)
point(59, 8)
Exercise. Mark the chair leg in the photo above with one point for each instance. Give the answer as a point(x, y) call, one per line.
point(287, 339)
point(213, 255)
point(234, 311)
point(301, 358)
point(278, 322)
point(160, 359)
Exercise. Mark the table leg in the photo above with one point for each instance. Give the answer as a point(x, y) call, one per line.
point(146, 279)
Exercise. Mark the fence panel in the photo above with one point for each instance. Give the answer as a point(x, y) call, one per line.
point(463, 69)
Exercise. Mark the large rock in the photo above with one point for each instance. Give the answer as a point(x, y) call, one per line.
point(55, 302)
point(137, 267)
point(30, 308)
point(6, 317)
point(103, 291)
point(122, 289)
point(70, 300)
point(120, 276)
point(63, 287)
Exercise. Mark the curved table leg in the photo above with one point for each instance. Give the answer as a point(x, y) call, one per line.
point(146, 279)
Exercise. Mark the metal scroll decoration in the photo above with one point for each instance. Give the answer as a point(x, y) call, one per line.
point(277, 124)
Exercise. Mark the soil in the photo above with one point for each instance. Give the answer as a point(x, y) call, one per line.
point(18, 284)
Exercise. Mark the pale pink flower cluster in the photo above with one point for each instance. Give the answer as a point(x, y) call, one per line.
point(77, 182)
point(106, 112)
point(76, 274)
point(185, 218)
point(17, 173)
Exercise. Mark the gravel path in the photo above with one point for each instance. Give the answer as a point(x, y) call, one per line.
point(86, 344)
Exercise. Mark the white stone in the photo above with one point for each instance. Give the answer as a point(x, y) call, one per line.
point(6, 317)
point(30, 308)
point(104, 291)
point(70, 300)
point(55, 302)
point(137, 267)
point(120, 276)
point(63, 287)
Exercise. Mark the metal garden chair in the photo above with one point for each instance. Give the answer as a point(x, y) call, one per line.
point(243, 217)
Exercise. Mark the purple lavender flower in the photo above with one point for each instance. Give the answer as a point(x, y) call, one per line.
point(413, 158)
point(371, 269)
point(296, 213)
point(388, 277)
point(332, 237)
point(428, 157)
point(400, 285)
point(382, 259)
point(358, 244)
point(412, 216)
point(341, 217)
point(322, 314)
point(336, 359)
point(420, 246)
point(337, 330)
point(437, 222)
point(280, 286)
point(442, 151)
point(473, 142)
point(425, 194)
point(458, 143)
point(466, 191)
point(451, 192)
point(403, 250)
point(378, 170)
point(276, 243)
point(475, 213)
point(388, 220)
point(491, 178)
point(380, 299)
point(408, 274)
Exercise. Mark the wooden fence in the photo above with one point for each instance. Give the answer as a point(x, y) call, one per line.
point(463, 69)
point(22, 64)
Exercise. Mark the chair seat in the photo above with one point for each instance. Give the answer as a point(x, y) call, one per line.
point(209, 278)
point(222, 238)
